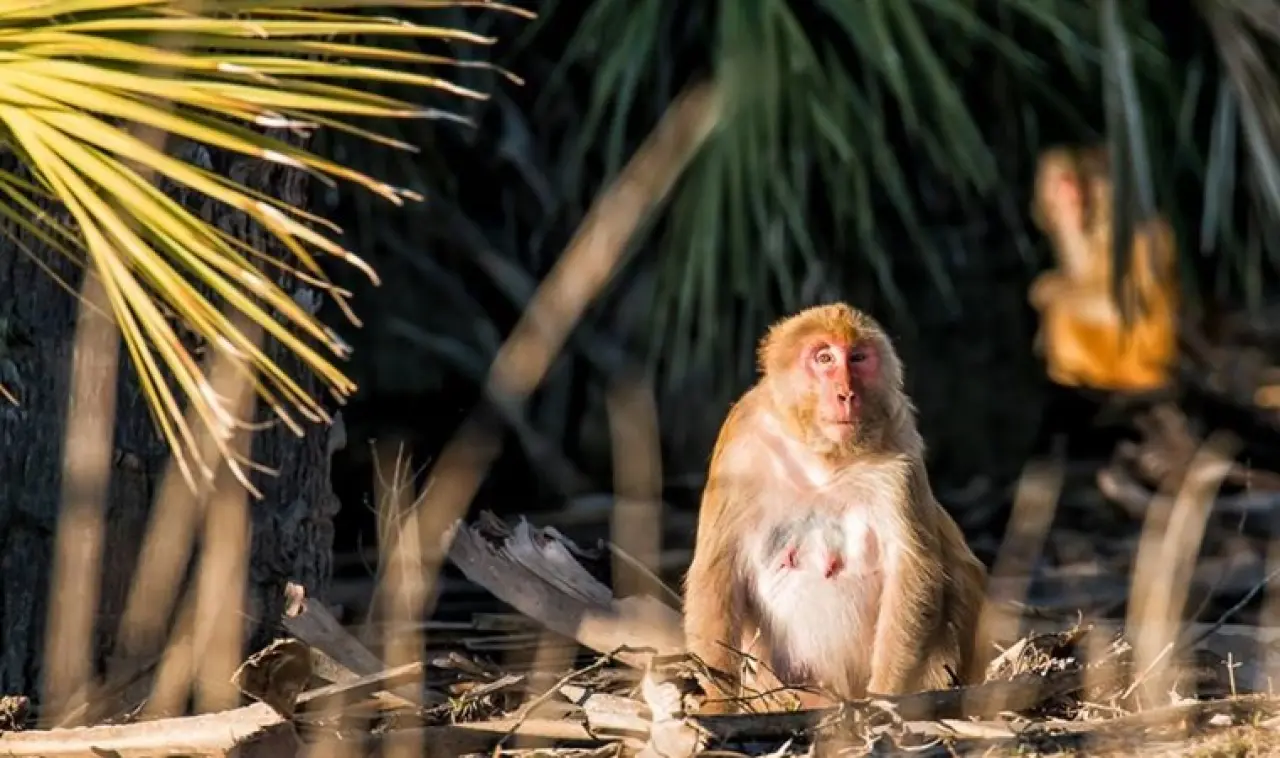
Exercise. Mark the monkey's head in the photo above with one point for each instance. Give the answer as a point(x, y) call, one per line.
point(834, 378)
point(1072, 189)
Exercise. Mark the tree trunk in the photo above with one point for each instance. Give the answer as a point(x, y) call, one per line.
point(292, 531)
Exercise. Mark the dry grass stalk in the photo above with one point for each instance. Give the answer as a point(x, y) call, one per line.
point(637, 482)
point(86, 475)
point(1033, 508)
point(578, 275)
point(404, 583)
point(1167, 554)
point(222, 572)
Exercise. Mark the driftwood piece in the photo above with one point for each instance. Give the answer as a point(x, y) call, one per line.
point(618, 718)
point(534, 571)
point(256, 730)
point(556, 604)
point(982, 701)
point(126, 686)
point(670, 732)
point(365, 686)
point(314, 625)
point(459, 739)
point(276, 674)
point(609, 714)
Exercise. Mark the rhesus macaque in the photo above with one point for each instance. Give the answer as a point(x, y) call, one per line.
point(821, 552)
point(1082, 335)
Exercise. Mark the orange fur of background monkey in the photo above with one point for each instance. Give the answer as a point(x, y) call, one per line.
point(1082, 336)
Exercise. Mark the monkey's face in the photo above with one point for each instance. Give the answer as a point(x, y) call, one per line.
point(1061, 200)
point(831, 385)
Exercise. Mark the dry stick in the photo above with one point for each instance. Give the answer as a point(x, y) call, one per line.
point(344, 657)
point(1212, 592)
point(1190, 642)
point(1167, 552)
point(322, 698)
point(222, 573)
point(591, 259)
point(403, 584)
point(86, 483)
point(208, 735)
point(165, 551)
point(634, 564)
point(1270, 612)
point(527, 577)
point(209, 613)
point(1033, 508)
point(637, 476)
point(547, 654)
point(170, 536)
point(533, 703)
point(159, 570)
point(1158, 717)
point(172, 680)
point(86, 475)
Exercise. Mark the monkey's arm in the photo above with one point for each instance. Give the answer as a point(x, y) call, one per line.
point(913, 598)
point(906, 645)
point(714, 595)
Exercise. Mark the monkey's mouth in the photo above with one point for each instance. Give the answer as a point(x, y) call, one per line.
point(840, 429)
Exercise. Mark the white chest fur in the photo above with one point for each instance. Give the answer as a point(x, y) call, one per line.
point(820, 602)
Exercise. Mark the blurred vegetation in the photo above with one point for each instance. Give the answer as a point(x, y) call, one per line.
point(881, 151)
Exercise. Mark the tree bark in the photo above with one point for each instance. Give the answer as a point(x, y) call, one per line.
point(292, 531)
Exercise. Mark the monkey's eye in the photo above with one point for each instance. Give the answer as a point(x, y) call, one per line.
point(857, 356)
point(824, 357)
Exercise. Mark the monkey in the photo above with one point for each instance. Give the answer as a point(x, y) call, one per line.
point(821, 554)
point(1082, 336)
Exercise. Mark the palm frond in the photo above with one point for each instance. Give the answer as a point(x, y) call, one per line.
point(82, 84)
point(824, 95)
point(1246, 35)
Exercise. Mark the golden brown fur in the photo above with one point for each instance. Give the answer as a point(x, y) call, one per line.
point(1084, 340)
point(900, 613)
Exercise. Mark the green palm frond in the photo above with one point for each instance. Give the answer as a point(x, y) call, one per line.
point(844, 111)
point(824, 95)
point(1217, 116)
point(1247, 112)
point(83, 83)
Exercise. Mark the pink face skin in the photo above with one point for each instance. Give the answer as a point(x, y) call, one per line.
point(1064, 199)
point(841, 373)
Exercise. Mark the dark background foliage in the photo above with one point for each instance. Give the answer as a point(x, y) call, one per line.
point(880, 152)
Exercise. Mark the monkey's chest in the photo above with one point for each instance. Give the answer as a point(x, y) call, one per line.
point(818, 580)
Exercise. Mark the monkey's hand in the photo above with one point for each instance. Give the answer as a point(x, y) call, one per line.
point(1044, 289)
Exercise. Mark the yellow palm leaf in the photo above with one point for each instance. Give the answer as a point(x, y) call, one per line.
point(79, 77)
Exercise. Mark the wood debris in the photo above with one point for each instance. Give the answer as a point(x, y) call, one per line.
point(1043, 692)
point(1068, 685)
